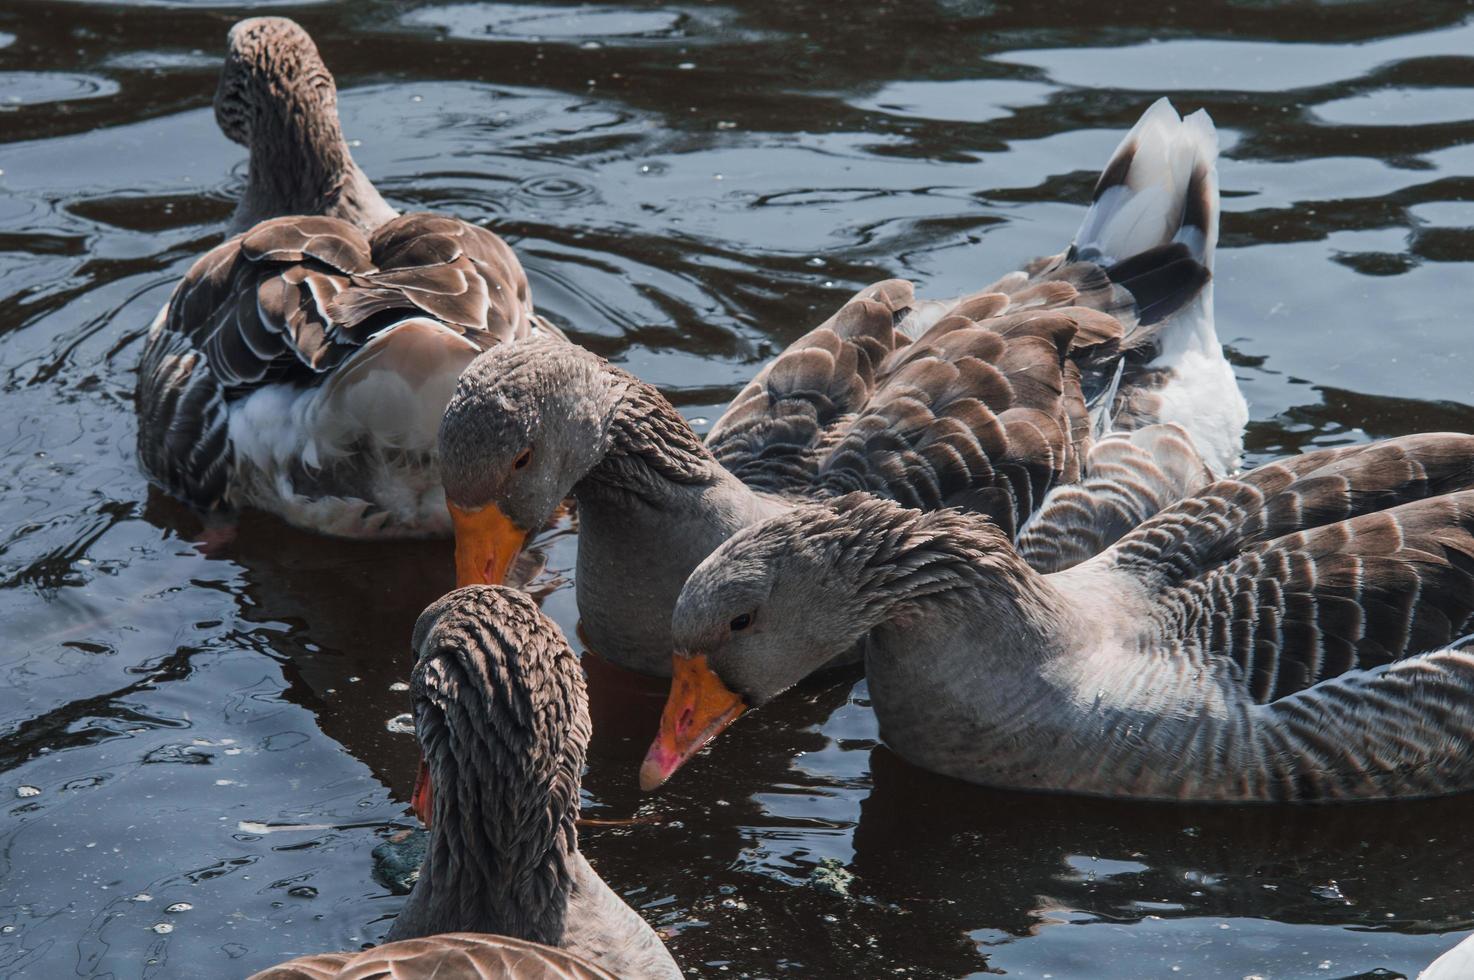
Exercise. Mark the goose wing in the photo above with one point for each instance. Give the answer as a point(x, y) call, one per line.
point(472, 956)
point(290, 301)
point(981, 414)
point(1130, 477)
point(770, 435)
point(1303, 570)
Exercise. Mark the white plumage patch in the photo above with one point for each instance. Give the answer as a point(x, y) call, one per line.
point(372, 427)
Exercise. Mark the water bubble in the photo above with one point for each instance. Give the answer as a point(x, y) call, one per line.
point(399, 686)
point(142, 897)
point(814, 263)
point(591, 45)
point(179, 907)
point(401, 724)
point(162, 928)
point(26, 792)
point(686, 65)
point(302, 891)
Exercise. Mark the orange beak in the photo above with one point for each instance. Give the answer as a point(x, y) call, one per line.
point(423, 800)
point(486, 543)
point(700, 707)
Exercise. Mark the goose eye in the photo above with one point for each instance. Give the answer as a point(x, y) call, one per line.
point(523, 458)
point(741, 622)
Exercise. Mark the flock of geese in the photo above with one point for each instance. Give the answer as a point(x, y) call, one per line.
point(1021, 508)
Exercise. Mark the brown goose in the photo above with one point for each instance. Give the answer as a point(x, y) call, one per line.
point(1300, 633)
point(983, 402)
point(458, 955)
point(302, 367)
point(503, 722)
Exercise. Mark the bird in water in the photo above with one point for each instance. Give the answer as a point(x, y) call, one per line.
point(502, 718)
point(302, 366)
point(1300, 633)
point(989, 402)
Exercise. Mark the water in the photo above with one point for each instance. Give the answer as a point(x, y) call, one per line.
point(196, 752)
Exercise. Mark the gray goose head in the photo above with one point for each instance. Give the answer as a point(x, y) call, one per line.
point(532, 420)
point(277, 98)
point(784, 596)
point(503, 724)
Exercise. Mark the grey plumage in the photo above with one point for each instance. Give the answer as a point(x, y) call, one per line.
point(1301, 633)
point(502, 717)
point(987, 401)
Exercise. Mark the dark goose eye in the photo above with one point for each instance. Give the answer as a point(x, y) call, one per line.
point(741, 622)
point(523, 458)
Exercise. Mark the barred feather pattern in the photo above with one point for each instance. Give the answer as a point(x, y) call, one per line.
point(1300, 634)
point(289, 303)
point(463, 955)
point(1131, 476)
point(502, 717)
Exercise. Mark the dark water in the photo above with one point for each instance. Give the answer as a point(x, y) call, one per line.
point(690, 187)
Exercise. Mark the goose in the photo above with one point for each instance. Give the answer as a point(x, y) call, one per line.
point(465, 955)
point(302, 366)
point(502, 718)
point(1299, 633)
point(985, 401)
point(1455, 964)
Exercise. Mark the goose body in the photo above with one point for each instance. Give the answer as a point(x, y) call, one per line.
point(302, 366)
point(461, 955)
point(987, 402)
point(1300, 633)
point(503, 723)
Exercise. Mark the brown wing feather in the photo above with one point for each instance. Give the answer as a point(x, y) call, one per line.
point(1131, 476)
point(462, 955)
point(291, 300)
point(966, 416)
point(772, 433)
point(1341, 559)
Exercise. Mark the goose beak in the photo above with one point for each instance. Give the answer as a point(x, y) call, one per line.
point(486, 543)
point(423, 800)
point(700, 707)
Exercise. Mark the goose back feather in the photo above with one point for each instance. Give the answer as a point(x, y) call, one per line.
point(304, 360)
point(462, 955)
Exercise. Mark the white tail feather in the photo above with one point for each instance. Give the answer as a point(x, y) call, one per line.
point(1151, 197)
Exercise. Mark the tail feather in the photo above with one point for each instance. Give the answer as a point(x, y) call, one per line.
point(1160, 186)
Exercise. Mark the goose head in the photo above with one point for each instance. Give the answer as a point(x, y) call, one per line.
point(503, 724)
point(274, 86)
point(278, 99)
point(771, 605)
point(527, 422)
point(783, 597)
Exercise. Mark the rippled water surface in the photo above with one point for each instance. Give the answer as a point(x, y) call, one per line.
point(195, 755)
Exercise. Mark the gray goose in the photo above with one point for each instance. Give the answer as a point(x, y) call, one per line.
point(1297, 634)
point(985, 402)
point(302, 366)
point(502, 718)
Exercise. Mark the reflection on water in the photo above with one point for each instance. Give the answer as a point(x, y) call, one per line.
point(197, 758)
